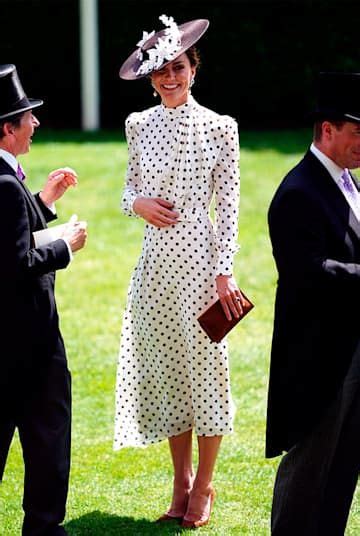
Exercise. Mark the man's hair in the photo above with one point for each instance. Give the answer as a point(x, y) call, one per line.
point(318, 127)
point(15, 120)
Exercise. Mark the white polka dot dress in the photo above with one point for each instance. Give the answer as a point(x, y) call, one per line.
point(171, 378)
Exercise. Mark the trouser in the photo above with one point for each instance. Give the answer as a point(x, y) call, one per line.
point(42, 414)
point(316, 479)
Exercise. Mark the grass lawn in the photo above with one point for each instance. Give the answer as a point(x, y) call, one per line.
point(122, 493)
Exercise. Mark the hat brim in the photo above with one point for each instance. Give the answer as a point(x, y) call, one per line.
point(333, 115)
point(31, 103)
point(191, 32)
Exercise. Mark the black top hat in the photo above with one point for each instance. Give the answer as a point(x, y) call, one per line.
point(338, 97)
point(12, 96)
point(158, 49)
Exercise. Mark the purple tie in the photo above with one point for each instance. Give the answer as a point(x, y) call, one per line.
point(20, 173)
point(348, 182)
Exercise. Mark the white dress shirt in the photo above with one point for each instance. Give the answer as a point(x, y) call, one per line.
point(336, 173)
point(9, 159)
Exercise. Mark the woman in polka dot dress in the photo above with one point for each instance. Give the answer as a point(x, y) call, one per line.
point(171, 379)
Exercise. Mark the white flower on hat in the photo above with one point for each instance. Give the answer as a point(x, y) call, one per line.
point(164, 49)
point(146, 36)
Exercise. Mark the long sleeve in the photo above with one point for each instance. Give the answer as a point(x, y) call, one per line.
point(20, 260)
point(49, 213)
point(226, 176)
point(299, 239)
point(133, 175)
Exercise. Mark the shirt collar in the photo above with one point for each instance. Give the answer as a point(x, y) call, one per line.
point(334, 170)
point(9, 159)
point(179, 111)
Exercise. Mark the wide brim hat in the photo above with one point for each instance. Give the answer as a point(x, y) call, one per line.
point(190, 33)
point(13, 99)
point(338, 97)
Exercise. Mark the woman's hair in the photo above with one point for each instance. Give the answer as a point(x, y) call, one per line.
point(194, 56)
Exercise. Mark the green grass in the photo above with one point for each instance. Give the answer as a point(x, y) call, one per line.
point(121, 493)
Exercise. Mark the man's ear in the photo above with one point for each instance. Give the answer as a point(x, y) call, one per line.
point(8, 128)
point(327, 129)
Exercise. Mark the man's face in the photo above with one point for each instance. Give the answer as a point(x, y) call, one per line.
point(22, 134)
point(344, 145)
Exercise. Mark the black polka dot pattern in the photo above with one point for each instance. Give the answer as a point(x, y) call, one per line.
point(170, 377)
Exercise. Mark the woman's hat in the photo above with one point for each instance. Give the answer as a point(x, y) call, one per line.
point(155, 50)
point(338, 97)
point(12, 96)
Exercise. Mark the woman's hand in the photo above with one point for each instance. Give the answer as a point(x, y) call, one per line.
point(155, 211)
point(230, 296)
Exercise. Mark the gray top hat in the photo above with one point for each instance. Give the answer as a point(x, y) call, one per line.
point(12, 95)
point(156, 50)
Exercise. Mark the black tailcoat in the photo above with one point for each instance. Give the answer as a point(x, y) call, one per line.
point(29, 327)
point(316, 246)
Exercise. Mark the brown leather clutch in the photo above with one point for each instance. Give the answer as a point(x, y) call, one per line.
point(214, 322)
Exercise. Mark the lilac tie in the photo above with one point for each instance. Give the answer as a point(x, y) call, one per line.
point(348, 183)
point(20, 173)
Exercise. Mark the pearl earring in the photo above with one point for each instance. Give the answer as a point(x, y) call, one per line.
point(155, 93)
point(192, 82)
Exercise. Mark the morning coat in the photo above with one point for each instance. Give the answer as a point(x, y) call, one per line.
point(29, 327)
point(315, 239)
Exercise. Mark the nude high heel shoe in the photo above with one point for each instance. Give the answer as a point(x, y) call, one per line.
point(204, 518)
point(175, 515)
point(168, 517)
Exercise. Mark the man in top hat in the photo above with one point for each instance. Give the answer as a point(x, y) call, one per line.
point(34, 379)
point(314, 392)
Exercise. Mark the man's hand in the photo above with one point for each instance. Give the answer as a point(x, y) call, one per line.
point(57, 183)
point(75, 233)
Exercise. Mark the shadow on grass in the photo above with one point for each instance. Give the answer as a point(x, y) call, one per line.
point(100, 524)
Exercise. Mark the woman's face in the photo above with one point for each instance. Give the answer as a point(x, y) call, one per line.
point(172, 82)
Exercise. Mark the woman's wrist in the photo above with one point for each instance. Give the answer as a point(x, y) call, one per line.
point(136, 204)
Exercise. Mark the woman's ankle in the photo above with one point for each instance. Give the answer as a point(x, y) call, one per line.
point(201, 486)
point(185, 482)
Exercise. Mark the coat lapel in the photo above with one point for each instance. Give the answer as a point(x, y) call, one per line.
point(332, 194)
point(34, 204)
point(356, 181)
point(5, 168)
point(354, 223)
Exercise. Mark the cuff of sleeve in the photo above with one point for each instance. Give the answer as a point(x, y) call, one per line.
point(128, 202)
point(132, 201)
point(225, 263)
point(52, 208)
point(226, 260)
point(71, 256)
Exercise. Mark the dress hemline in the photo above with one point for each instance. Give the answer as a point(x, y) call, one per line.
point(158, 439)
